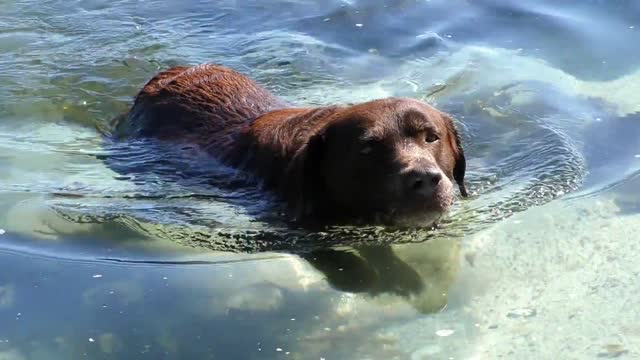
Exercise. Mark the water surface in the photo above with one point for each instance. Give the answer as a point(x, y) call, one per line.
point(538, 263)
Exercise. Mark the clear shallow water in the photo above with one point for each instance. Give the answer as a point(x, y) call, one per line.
point(105, 265)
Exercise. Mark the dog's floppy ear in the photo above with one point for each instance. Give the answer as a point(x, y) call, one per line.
point(304, 185)
point(461, 162)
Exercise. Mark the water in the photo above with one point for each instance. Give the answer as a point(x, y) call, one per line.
point(156, 262)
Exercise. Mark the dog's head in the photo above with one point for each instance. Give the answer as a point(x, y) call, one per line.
point(391, 161)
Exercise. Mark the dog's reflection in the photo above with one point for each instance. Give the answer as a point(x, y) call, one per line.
point(422, 273)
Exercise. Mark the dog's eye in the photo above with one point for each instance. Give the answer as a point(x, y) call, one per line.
point(431, 137)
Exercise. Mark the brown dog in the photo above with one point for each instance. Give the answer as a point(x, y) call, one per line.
point(390, 160)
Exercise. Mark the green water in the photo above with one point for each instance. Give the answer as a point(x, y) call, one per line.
point(540, 263)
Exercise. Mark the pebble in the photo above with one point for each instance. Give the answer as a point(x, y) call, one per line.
point(445, 332)
point(521, 313)
point(613, 351)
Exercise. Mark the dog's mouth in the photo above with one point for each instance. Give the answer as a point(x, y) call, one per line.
point(419, 212)
point(428, 218)
point(397, 209)
point(413, 213)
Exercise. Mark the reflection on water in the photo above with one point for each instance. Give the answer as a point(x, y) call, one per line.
point(142, 250)
point(423, 278)
point(121, 308)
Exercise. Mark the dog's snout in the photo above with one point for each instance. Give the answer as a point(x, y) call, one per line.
point(423, 181)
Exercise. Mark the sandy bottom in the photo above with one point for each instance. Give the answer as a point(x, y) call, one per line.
point(557, 281)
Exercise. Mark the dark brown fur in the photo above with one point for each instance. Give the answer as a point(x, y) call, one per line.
point(369, 161)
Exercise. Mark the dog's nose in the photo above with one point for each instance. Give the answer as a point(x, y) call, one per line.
point(423, 181)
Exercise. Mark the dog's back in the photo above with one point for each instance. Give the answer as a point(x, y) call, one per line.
point(201, 104)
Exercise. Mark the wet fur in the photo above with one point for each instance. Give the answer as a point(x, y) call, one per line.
point(245, 126)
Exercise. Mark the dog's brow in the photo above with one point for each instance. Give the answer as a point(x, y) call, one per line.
point(415, 121)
